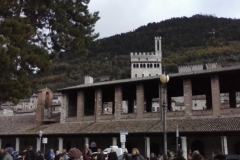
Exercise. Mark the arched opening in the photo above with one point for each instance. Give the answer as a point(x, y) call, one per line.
point(236, 148)
point(198, 145)
point(154, 148)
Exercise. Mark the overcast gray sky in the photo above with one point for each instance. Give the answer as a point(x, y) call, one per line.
point(121, 16)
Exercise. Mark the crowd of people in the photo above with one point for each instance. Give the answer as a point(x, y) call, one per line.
point(8, 153)
point(196, 155)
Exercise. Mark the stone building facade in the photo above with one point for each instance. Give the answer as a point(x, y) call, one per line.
point(145, 64)
point(81, 119)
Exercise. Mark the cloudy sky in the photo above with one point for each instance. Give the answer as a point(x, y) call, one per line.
point(120, 16)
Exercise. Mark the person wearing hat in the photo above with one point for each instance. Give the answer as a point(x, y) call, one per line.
point(7, 155)
point(74, 154)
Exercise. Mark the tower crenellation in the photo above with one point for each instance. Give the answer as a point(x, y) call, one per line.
point(198, 67)
point(144, 64)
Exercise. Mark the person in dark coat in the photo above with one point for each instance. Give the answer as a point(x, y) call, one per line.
point(39, 156)
point(86, 154)
point(216, 155)
point(125, 156)
point(179, 155)
point(112, 155)
point(30, 154)
point(57, 156)
point(100, 155)
point(135, 154)
point(153, 157)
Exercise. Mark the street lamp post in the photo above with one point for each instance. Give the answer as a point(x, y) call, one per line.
point(164, 79)
point(40, 133)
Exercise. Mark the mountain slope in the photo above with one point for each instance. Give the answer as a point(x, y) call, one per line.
point(194, 40)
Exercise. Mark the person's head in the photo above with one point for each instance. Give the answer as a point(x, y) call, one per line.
point(39, 152)
point(169, 154)
point(165, 157)
point(111, 150)
point(57, 152)
point(86, 146)
point(99, 150)
point(51, 150)
point(74, 153)
point(10, 150)
point(2, 150)
point(30, 148)
point(179, 153)
point(195, 152)
point(135, 151)
point(152, 155)
point(215, 152)
point(197, 157)
point(64, 150)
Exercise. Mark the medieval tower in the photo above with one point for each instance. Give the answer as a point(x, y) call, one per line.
point(146, 64)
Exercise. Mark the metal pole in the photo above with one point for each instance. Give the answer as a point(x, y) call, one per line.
point(44, 148)
point(177, 135)
point(40, 143)
point(165, 119)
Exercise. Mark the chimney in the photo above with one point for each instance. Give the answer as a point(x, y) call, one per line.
point(88, 80)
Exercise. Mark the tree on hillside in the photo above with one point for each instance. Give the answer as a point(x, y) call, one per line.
point(32, 33)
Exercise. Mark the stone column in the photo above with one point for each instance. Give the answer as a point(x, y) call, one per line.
point(98, 104)
point(114, 141)
point(17, 144)
point(140, 100)
point(80, 105)
point(118, 102)
point(224, 145)
point(216, 103)
point(38, 144)
point(86, 140)
point(184, 146)
point(147, 146)
point(64, 108)
point(187, 93)
point(60, 144)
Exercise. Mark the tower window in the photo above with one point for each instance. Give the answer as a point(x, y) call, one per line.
point(149, 75)
point(146, 59)
point(139, 59)
point(135, 75)
point(142, 75)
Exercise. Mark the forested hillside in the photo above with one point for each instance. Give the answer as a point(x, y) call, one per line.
point(194, 40)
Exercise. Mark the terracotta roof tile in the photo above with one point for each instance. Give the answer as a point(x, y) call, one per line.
point(24, 125)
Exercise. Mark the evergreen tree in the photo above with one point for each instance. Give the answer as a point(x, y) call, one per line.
point(32, 32)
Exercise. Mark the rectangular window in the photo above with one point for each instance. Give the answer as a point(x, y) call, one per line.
point(195, 104)
point(153, 109)
point(149, 74)
point(142, 75)
point(135, 75)
point(158, 109)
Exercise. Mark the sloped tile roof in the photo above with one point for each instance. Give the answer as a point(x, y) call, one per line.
point(24, 125)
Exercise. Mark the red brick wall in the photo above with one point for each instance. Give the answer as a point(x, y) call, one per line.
point(118, 102)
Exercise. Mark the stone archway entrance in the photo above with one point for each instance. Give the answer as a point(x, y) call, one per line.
point(236, 148)
point(198, 145)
